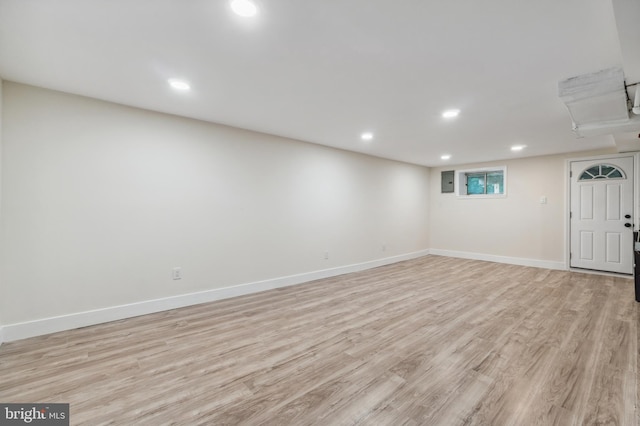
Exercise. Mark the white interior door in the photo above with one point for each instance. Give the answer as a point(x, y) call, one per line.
point(602, 215)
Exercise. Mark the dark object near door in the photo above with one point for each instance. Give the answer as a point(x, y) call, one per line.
point(636, 267)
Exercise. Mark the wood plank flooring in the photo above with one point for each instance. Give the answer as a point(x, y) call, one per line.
point(431, 341)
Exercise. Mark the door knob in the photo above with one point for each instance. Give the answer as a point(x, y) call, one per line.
point(628, 225)
point(627, 216)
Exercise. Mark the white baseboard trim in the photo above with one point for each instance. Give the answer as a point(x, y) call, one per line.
point(547, 264)
point(11, 332)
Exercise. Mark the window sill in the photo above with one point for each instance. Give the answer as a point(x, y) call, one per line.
point(478, 196)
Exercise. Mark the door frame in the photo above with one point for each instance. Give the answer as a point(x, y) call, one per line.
point(567, 203)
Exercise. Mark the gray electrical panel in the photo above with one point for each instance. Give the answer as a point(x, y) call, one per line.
point(447, 181)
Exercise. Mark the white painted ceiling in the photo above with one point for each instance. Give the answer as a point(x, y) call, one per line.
point(326, 71)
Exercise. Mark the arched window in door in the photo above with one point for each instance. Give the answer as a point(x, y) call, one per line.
point(602, 171)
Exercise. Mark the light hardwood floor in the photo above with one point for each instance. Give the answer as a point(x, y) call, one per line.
point(431, 341)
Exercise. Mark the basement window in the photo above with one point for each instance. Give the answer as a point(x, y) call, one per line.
point(490, 182)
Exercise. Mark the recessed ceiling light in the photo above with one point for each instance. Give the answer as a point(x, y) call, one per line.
point(451, 113)
point(179, 84)
point(518, 147)
point(367, 136)
point(445, 157)
point(244, 8)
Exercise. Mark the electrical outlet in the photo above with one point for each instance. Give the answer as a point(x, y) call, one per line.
point(176, 273)
point(326, 255)
point(384, 247)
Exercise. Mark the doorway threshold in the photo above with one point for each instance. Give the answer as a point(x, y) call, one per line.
point(605, 273)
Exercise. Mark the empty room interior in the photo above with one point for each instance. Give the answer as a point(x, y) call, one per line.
point(268, 212)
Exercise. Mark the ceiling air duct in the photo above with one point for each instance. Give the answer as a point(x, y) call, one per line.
point(598, 103)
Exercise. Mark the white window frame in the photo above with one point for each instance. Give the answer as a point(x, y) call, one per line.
point(461, 182)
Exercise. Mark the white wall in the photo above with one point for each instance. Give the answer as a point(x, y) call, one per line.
point(516, 229)
point(100, 201)
point(2, 292)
